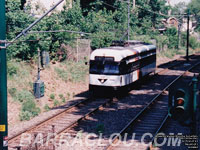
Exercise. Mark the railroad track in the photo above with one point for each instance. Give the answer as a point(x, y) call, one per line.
point(150, 119)
point(63, 121)
point(155, 103)
point(175, 63)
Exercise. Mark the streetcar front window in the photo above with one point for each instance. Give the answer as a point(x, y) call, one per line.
point(104, 67)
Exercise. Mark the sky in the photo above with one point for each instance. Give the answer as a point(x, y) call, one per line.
point(177, 1)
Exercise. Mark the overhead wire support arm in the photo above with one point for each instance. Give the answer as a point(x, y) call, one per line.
point(24, 32)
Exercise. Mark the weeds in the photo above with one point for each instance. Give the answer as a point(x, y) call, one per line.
point(62, 74)
point(29, 110)
point(73, 72)
point(46, 107)
point(52, 96)
point(61, 96)
point(23, 95)
point(12, 92)
point(56, 103)
point(63, 100)
point(68, 95)
point(12, 68)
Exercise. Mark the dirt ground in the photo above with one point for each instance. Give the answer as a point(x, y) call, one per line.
point(53, 84)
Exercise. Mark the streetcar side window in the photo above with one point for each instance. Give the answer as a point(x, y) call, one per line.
point(147, 57)
point(128, 68)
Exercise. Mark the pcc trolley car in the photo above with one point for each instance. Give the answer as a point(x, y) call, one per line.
point(121, 64)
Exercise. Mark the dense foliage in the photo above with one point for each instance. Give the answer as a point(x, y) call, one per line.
point(105, 20)
point(194, 7)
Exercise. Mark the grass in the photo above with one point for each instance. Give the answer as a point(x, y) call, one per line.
point(72, 71)
point(170, 53)
point(19, 75)
point(20, 87)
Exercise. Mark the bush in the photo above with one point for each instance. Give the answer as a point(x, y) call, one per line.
point(29, 110)
point(171, 33)
point(56, 103)
point(63, 100)
point(12, 68)
point(61, 96)
point(52, 96)
point(25, 115)
point(193, 43)
point(46, 107)
point(24, 95)
point(31, 107)
point(12, 92)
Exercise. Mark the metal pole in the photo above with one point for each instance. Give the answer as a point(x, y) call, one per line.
point(38, 77)
point(3, 78)
point(53, 130)
point(188, 34)
point(77, 50)
point(195, 90)
point(128, 30)
point(179, 27)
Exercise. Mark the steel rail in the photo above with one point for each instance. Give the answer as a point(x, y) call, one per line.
point(73, 123)
point(87, 115)
point(83, 117)
point(48, 119)
point(164, 122)
point(158, 130)
point(134, 120)
point(10, 139)
point(176, 64)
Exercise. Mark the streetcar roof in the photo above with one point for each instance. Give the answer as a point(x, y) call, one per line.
point(119, 52)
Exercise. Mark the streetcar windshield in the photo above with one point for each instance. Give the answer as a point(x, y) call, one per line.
point(104, 67)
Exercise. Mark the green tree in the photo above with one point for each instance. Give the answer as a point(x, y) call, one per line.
point(194, 7)
point(179, 8)
point(171, 33)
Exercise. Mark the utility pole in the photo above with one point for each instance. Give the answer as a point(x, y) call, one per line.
point(179, 28)
point(128, 30)
point(3, 79)
point(188, 35)
point(133, 5)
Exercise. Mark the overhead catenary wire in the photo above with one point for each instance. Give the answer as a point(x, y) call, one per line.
point(57, 31)
point(144, 8)
point(26, 31)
